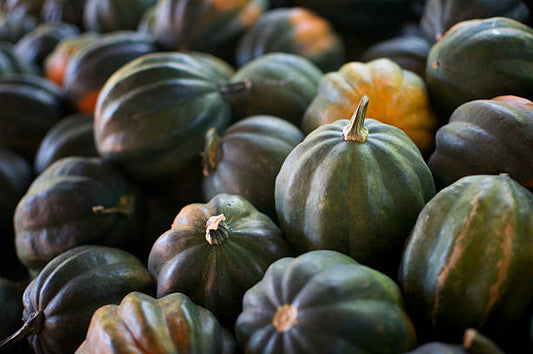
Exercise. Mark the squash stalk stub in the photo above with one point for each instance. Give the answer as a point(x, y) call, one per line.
point(216, 230)
point(285, 318)
point(212, 154)
point(32, 326)
point(125, 207)
point(232, 88)
point(356, 130)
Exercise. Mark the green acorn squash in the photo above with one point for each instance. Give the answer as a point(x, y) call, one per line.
point(214, 252)
point(114, 15)
point(14, 26)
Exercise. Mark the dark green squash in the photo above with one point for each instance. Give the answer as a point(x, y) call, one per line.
point(114, 15)
point(410, 52)
point(11, 62)
point(60, 301)
point(71, 136)
point(14, 26)
point(296, 31)
point(324, 302)
point(480, 59)
point(214, 252)
point(277, 84)
point(24, 7)
point(37, 44)
point(76, 201)
point(29, 106)
point(440, 15)
point(69, 11)
point(469, 262)
point(152, 114)
point(355, 187)
point(486, 137)
point(92, 65)
point(204, 25)
point(171, 324)
point(246, 159)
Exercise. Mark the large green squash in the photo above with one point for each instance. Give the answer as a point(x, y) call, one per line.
point(324, 302)
point(246, 159)
point(60, 301)
point(486, 137)
point(113, 15)
point(142, 324)
point(92, 65)
point(76, 201)
point(293, 30)
point(441, 15)
point(71, 136)
point(214, 252)
point(29, 106)
point(355, 187)
point(277, 84)
point(152, 114)
point(469, 261)
point(480, 59)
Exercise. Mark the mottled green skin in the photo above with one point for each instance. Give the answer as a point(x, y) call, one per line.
point(480, 59)
point(485, 137)
point(141, 324)
point(29, 106)
point(361, 199)
point(152, 114)
point(113, 15)
point(440, 15)
point(56, 213)
point(342, 307)
point(469, 260)
point(280, 84)
point(247, 158)
point(74, 285)
point(71, 136)
point(216, 276)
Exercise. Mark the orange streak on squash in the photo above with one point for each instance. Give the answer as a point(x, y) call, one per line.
point(313, 32)
point(250, 14)
point(87, 103)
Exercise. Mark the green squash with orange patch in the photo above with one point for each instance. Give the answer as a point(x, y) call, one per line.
point(469, 261)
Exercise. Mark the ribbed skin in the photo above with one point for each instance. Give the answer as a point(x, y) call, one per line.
point(342, 307)
point(440, 15)
point(480, 59)
point(247, 158)
point(142, 324)
point(204, 25)
point(216, 276)
point(74, 285)
point(468, 262)
point(398, 97)
point(280, 84)
point(56, 213)
point(486, 137)
point(71, 136)
point(114, 15)
point(180, 100)
point(296, 31)
point(92, 65)
point(356, 198)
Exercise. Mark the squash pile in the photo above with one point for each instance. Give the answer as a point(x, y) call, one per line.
point(266, 176)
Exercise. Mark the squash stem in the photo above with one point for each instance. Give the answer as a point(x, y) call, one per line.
point(212, 153)
point(126, 207)
point(229, 89)
point(216, 230)
point(356, 130)
point(476, 343)
point(32, 326)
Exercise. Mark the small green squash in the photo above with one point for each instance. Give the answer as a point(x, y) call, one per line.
point(277, 84)
point(480, 59)
point(293, 30)
point(468, 262)
point(76, 201)
point(142, 324)
point(214, 252)
point(60, 301)
point(324, 302)
point(355, 187)
point(486, 137)
point(246, 159)
point(114, 15)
